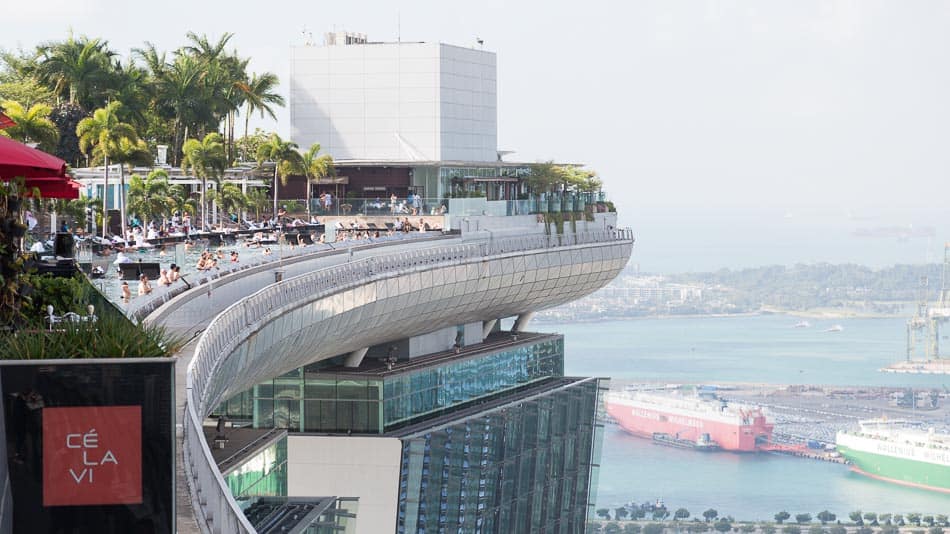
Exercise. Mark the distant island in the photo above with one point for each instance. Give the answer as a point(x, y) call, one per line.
point(820, 290)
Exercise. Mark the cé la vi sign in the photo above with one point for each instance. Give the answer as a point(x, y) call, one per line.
point(92, 455)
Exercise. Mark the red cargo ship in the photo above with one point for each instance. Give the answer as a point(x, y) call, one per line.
point(732, 426)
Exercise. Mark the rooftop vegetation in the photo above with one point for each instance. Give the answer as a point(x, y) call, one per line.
point(26, 296)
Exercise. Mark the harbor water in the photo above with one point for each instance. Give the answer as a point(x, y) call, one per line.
point(764, 349)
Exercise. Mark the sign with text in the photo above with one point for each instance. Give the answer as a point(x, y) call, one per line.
point(92, 455)
point(87, 446)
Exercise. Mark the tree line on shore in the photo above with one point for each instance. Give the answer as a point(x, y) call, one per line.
point(820, 285)
point(860, 522)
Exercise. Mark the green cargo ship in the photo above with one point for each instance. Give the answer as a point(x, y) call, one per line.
point(891, 451)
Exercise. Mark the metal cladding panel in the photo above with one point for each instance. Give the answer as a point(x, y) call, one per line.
point(484, 290)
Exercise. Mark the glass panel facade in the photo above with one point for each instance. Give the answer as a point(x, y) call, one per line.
point(262, 475)
point(412, 395)
point(313, 400)
point(493, 182)
point(523, 468)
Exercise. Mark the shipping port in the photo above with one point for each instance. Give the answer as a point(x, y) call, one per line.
point(806, 419)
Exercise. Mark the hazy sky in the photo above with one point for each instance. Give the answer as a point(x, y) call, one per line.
point(729, 133)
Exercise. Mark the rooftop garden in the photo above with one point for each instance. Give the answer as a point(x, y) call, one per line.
point(44, 316)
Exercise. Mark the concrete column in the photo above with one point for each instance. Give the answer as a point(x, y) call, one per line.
point(442, 339)
point(355, 358)
point(487, 328)
point(521, 323)
point(472, 334)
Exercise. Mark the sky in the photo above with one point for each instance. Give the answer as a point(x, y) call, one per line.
point(728, 133)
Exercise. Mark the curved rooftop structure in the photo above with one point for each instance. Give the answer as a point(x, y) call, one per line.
point(346, 308)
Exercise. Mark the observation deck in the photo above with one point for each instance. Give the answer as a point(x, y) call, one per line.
point(366, 299)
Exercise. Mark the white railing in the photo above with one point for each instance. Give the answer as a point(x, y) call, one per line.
point(139, 307)
point(215, 507)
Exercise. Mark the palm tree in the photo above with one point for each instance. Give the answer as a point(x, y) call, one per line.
point(131, 151)
point(132, 87)
point(229, 198)
point(82, 66)
point(314, 168)
point(285, 157)
point(259, 93)
point(181, 199)
point(224, 75)
point(257, 200)
point(206, 159)
point(178, 88)
point(32, 125)
point(149, 197)
point(102, 134)
point(201, 47)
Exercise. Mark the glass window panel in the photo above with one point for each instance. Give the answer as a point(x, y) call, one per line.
point(351, 389)
point(264, 413)
point(316, 388)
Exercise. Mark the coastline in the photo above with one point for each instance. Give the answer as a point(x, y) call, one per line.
point(817, 313)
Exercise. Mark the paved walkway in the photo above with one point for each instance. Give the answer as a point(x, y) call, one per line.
point(185, 522)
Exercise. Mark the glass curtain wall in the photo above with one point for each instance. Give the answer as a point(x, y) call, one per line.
point(313, 400)
point(524, 468)
point(263, 475)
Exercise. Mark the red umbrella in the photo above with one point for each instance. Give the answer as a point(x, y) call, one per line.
point(53, 187)
point(41, 170)
point(17, 159)
point(5, 122)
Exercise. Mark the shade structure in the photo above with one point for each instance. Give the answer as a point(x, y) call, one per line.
point(5, 122)
point(53, 187)
point(17, 159)
point(41, 170)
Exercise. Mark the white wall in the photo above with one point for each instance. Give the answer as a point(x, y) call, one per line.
point(395, 101)
point(473, 333)
point(348, 466)
point(442, 339)
point(468, 120)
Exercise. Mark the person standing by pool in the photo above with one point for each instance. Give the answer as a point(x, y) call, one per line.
point(144, 286)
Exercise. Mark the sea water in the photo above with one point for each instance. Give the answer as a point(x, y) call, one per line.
point(756, 349)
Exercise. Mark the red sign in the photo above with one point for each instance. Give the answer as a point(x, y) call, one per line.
point(92, 455)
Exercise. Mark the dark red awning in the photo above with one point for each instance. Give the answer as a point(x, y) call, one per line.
point(17, 159)
point(53, 187)
point(41, 170)
point(5, 122)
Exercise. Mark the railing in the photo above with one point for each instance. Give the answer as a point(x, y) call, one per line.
point(140, 306)
point(381, 206)
point(459, 206)
point(217, 510)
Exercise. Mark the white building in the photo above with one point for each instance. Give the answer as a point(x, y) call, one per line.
point(405, 101)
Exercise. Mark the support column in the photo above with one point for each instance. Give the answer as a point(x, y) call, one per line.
point(355, 358)
point(521, 323)
point(487, 328)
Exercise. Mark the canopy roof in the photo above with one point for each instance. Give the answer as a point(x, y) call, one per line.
point(41, 170)
point(5, 122)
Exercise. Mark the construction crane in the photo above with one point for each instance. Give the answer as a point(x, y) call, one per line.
point(918, 323)
point(927, 319)
point(940, 313)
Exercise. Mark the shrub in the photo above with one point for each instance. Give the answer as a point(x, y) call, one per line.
point(112, 336)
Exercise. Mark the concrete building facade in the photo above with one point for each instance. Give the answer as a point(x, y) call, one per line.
point(404, 101)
